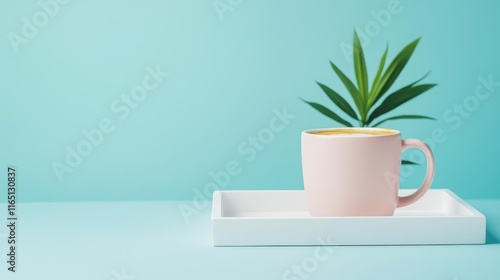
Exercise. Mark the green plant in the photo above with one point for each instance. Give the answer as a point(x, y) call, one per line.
point(368, 100)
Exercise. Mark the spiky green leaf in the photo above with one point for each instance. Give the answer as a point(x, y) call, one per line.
point(351, 88)
point(327, 112)
point(394, 69)
point(408, 162)
point(398, 98)
point(376, 81)
point(360, 68)
point(339, 101)
point(417, 81)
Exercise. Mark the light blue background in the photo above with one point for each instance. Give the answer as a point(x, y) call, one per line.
point(226, 77)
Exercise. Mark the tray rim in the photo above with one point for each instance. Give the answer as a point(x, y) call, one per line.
point(217, 209)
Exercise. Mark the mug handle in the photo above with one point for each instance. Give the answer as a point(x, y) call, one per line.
point(429, 175)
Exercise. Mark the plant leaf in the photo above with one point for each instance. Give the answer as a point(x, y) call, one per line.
point(360, 68)
point(351, 88)
point(398, 98)
point(394, 69)
point(327, 112)
point(408, 162)
point(412, 84)
point(404, 117)
point(417, 81)
point(338, 100)
point(372, 96)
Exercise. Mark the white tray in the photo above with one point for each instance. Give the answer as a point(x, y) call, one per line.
point(266, 218)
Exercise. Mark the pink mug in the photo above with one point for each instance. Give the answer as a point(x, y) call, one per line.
point(355, 171)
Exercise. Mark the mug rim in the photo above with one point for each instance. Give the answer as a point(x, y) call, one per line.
point(393, 132)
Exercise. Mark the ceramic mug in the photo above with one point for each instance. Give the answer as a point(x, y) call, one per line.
point(355, 171)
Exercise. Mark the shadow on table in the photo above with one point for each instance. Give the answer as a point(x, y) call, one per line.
point(490, 238)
